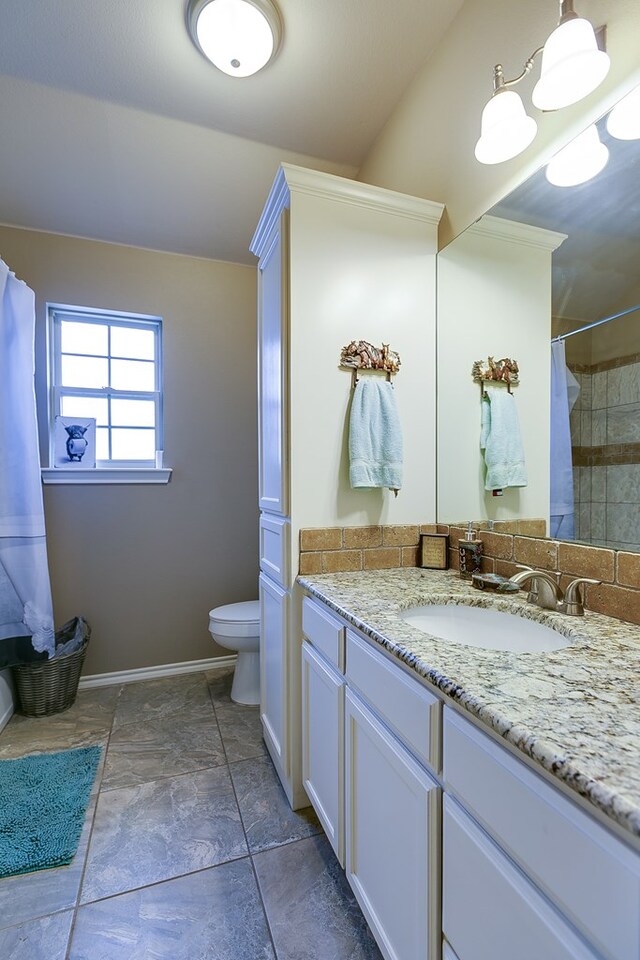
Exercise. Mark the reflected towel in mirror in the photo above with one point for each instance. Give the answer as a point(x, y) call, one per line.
point(501, 441)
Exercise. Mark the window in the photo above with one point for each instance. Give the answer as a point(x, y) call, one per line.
point(109, 366)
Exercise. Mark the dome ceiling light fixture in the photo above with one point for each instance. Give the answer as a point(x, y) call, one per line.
point(239, 37)
point(572, 67)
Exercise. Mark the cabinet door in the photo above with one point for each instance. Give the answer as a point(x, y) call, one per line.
point(392, 849)
point(490, 911)
point(323, 744)
point(273, 668)
point(272, 372)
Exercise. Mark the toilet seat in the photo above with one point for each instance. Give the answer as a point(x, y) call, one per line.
point(236, 619)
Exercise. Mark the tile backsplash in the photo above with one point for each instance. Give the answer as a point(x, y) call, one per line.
point(506, 544)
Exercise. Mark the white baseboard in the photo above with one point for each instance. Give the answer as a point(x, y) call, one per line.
point(154, 673)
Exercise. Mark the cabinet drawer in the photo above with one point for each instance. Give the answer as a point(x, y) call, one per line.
point(592, 876)
point(403, 703)
point(325, 631)
point(274, 548)
point(490, 911)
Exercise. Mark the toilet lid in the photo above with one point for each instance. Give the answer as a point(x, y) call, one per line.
point(246, 612)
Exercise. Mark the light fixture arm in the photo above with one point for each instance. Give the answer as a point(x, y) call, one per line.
point(499, 82)
point(566, 11)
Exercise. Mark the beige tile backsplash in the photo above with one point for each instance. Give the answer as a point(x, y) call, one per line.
point(338, 549)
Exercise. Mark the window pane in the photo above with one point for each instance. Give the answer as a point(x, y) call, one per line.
point(133, 413)
point(84, 372)
point(85, 407)
point(132, 375)
point(132, 342)
point(83, 338)
point(102, 443)
point(133, 444)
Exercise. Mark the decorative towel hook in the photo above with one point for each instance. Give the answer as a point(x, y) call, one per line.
point(362, 355)
point(496, 371)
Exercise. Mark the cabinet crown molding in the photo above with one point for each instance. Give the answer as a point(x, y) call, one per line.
point(514, 232)
point(292, 179)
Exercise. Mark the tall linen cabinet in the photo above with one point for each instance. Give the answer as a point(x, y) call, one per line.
point(338, 261)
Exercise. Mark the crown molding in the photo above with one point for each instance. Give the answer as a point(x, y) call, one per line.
point(512, 231)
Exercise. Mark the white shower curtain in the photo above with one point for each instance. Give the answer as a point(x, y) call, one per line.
point(564, 393)
point(25, 590)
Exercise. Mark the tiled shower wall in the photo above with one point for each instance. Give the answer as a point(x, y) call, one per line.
point(605, 437)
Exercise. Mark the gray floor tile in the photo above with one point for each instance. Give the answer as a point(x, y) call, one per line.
point(268, 819)
point(165, 747)
point(215, 914)
point(156, 831)
point(88, 721)
point(185, 695)
point(32, 895)
point(240, 725)
point(311, 909)
point(44, 939)
point(220, 684)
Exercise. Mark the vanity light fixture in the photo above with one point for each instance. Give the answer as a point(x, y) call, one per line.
point(239, 37)
point(579, 161)
point(623, 122)
point(572, 67)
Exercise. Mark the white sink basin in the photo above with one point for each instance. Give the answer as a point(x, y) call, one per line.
point(484, 627)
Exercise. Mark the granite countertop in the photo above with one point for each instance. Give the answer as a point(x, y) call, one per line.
point(574, 711)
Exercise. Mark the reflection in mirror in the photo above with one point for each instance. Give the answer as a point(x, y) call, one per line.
point(511, 298)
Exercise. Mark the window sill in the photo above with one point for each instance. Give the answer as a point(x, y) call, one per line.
point(106, 475)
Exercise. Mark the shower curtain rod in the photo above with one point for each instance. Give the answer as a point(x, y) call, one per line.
point(596, 323)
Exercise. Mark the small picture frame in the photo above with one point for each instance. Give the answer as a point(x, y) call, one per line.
point(74, 443)
point(434, 551)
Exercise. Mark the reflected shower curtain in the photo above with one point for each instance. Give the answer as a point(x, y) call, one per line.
point(564, 393)
point(26, 615)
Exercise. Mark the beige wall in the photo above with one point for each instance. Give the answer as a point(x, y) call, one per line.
point(427, 146)
point(144, 564)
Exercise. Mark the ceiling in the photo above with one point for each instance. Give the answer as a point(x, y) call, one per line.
point(115, 127)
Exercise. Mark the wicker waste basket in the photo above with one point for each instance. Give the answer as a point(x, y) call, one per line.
point(50, 686)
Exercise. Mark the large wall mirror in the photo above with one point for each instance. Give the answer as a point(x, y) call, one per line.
point(548, 261)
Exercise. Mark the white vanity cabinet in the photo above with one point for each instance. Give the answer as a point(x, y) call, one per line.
point(454, 847)
point(368, 737)
point(530, 828)
point(393, 825)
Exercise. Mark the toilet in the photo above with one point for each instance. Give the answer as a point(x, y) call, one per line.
point(236, 626)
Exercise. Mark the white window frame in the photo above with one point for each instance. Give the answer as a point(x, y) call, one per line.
point(106, 471)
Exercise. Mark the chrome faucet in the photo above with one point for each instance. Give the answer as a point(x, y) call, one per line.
point(545, 591)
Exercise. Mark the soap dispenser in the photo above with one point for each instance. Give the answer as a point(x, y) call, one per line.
point(470, 553)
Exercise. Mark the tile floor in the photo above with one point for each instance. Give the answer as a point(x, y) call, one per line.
point(189, 851)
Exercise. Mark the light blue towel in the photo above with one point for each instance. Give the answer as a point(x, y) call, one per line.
point(375, 436)
point(501, 441)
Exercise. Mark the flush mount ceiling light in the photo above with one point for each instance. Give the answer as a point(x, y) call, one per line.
point(572, 67)
point(623, 122)
point(579, 161)
point(239, 37)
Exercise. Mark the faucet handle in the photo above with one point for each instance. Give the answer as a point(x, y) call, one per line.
point(574, 603)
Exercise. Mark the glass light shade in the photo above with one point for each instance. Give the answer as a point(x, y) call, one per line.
point(579, 161)
point(506, 130)
point(623, 122)
point(239, 36)
point(572, 66)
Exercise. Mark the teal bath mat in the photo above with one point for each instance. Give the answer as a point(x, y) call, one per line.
point(43, 800)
